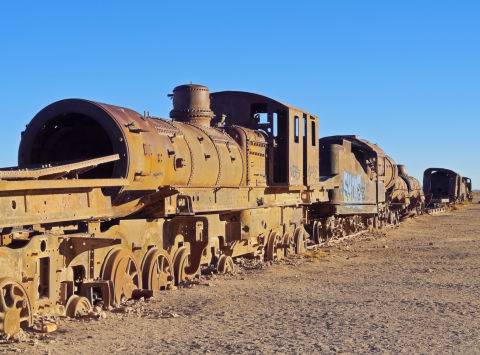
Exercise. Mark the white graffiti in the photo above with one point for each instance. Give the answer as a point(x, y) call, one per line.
point(353, 188)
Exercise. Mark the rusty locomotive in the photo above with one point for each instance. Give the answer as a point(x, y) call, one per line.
point(443, 186)
point(106, 202)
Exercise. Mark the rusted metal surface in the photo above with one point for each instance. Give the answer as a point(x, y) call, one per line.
point(55, 172)
point(191, 104)
point(361, 178)
point(355, 168)
point(108, 204)
point(291, 134)
point(416, 197)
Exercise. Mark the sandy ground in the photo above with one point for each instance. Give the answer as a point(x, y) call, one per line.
point(414, 289)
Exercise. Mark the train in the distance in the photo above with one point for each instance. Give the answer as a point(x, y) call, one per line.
point(107, 203)
point(443, 186)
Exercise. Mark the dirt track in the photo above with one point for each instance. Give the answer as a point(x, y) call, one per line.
point(417, 289)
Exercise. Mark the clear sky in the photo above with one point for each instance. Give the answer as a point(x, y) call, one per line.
point(403, 74)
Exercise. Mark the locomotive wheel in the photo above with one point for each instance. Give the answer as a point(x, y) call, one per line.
point(300, 241)
point(288, 244)
point(274, 249)
point(316, 232)
point(122, 270)
point(157, 270)
point(270, 247)
point(320, 234)
point(370, 223)
point(395, 218)
point(15, 309)
point(181, 262)
point(391, 218)
point(225, 265)
point(78, 306)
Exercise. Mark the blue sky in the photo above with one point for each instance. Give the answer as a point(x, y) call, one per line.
point(405, 75)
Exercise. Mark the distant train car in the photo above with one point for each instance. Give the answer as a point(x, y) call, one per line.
point(468, 188)
point(444, 186)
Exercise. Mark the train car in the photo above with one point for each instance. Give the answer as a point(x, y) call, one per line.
point(444, 186)
point(107, 204)
point(367, 188)
point(357, 175)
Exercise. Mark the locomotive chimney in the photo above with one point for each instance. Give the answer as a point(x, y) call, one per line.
point(402, 170)
point(191, 104)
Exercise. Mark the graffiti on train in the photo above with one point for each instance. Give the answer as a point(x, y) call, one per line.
point(353, 188)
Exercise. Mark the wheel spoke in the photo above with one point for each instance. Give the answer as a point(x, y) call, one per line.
point(161, 263)
point(3, 302)
point(11, 293)
point(15, 298)
point(127, 269)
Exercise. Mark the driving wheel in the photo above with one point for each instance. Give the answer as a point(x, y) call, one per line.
point(121, 268)
point(157, 270)
point(15, 309)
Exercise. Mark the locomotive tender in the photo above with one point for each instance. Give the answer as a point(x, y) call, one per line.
point(106, 202)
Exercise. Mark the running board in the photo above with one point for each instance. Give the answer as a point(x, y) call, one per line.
point(55, 172)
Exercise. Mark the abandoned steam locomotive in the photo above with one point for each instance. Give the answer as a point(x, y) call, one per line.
point(107, 202)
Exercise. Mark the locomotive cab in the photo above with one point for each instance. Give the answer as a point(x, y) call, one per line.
point(291, 135)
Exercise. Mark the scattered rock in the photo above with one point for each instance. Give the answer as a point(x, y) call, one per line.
point(49, 327)
point(102, 315)
point(169, 315)
point(124, 309)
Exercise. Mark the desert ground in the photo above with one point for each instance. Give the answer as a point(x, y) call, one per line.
point(415, 288)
